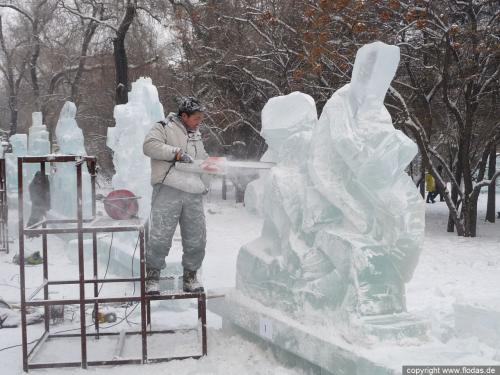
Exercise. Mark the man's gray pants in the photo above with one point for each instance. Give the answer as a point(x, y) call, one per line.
point(169, 207)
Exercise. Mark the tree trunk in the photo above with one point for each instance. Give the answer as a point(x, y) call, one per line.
point(492, 166)
point(121, 68)
point(34, 66)
point(13, 114)
point(422, 184)
point(120, 54)
point(89, 33)
point(470, 214)
point(12, 83)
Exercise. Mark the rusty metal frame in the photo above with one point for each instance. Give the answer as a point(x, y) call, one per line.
point(82, 226)
point(4, 209)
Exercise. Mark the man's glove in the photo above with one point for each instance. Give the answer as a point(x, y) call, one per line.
point(183, 157)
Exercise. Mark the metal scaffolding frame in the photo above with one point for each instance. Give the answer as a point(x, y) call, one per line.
point(81, 226)
point(4, 209)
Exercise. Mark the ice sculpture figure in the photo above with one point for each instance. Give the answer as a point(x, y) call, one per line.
point(285, 116)
point(343, 222)
point(292, 116)
point(133, 121)
point(38, 139)
point(38, 143)
point(19, 144)
point(63, 183)
point(69, 136)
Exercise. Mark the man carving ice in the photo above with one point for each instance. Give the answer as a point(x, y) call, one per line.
point(177, 195)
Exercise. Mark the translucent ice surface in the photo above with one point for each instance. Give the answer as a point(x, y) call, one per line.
point(63, 183)
point(38, 143)
point(287, 122)
point(69, 135)
point(343, 222)
point(133, 121)
point(38, 140)
point(283, 116)
point(19, 144)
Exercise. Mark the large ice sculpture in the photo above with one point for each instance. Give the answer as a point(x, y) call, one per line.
point(63, 183)
point(133, 121)
point(343, 222)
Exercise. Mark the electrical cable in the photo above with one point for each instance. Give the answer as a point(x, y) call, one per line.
point(125, 318)
point(105, 273)
point(87, 326)
point(102, 284)
point(133, 256)
point(15, 346)
point(132, 270)
point(107, 265)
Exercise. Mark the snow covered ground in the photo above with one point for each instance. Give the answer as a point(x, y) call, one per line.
point(451, 269)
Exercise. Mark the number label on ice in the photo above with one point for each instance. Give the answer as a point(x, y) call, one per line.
point(266, 328)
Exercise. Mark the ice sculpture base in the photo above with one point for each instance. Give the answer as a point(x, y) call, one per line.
point(395, 327)
point(326, 350)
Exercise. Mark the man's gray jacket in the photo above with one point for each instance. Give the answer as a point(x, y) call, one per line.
point(162, 144)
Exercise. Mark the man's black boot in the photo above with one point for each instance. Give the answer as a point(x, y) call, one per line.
point(153, 281)
point(190, 283)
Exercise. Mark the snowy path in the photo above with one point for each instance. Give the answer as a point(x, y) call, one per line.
point(453, 268)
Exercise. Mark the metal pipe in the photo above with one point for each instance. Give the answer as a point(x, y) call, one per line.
point(130, 333)
point(5, 208)
point(56, 158)
point(96, 288)
point(93, 175)
point(22, 280)
point(131, 228)
point(202, 301)
point(45, 263)
point(92, 170)
point(81, 264)
point(95, 281)
point(111, 280)
point(85, 301)
point(110, 299)
point(143, 296)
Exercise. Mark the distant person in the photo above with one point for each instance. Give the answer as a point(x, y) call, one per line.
point(177, 195)
point(430, 187)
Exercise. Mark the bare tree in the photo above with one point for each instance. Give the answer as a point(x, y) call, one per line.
point(14, 72)
point(451, 64)
point(120, 27)
point(37, 14)
point(492, 166)
point(440, 97)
